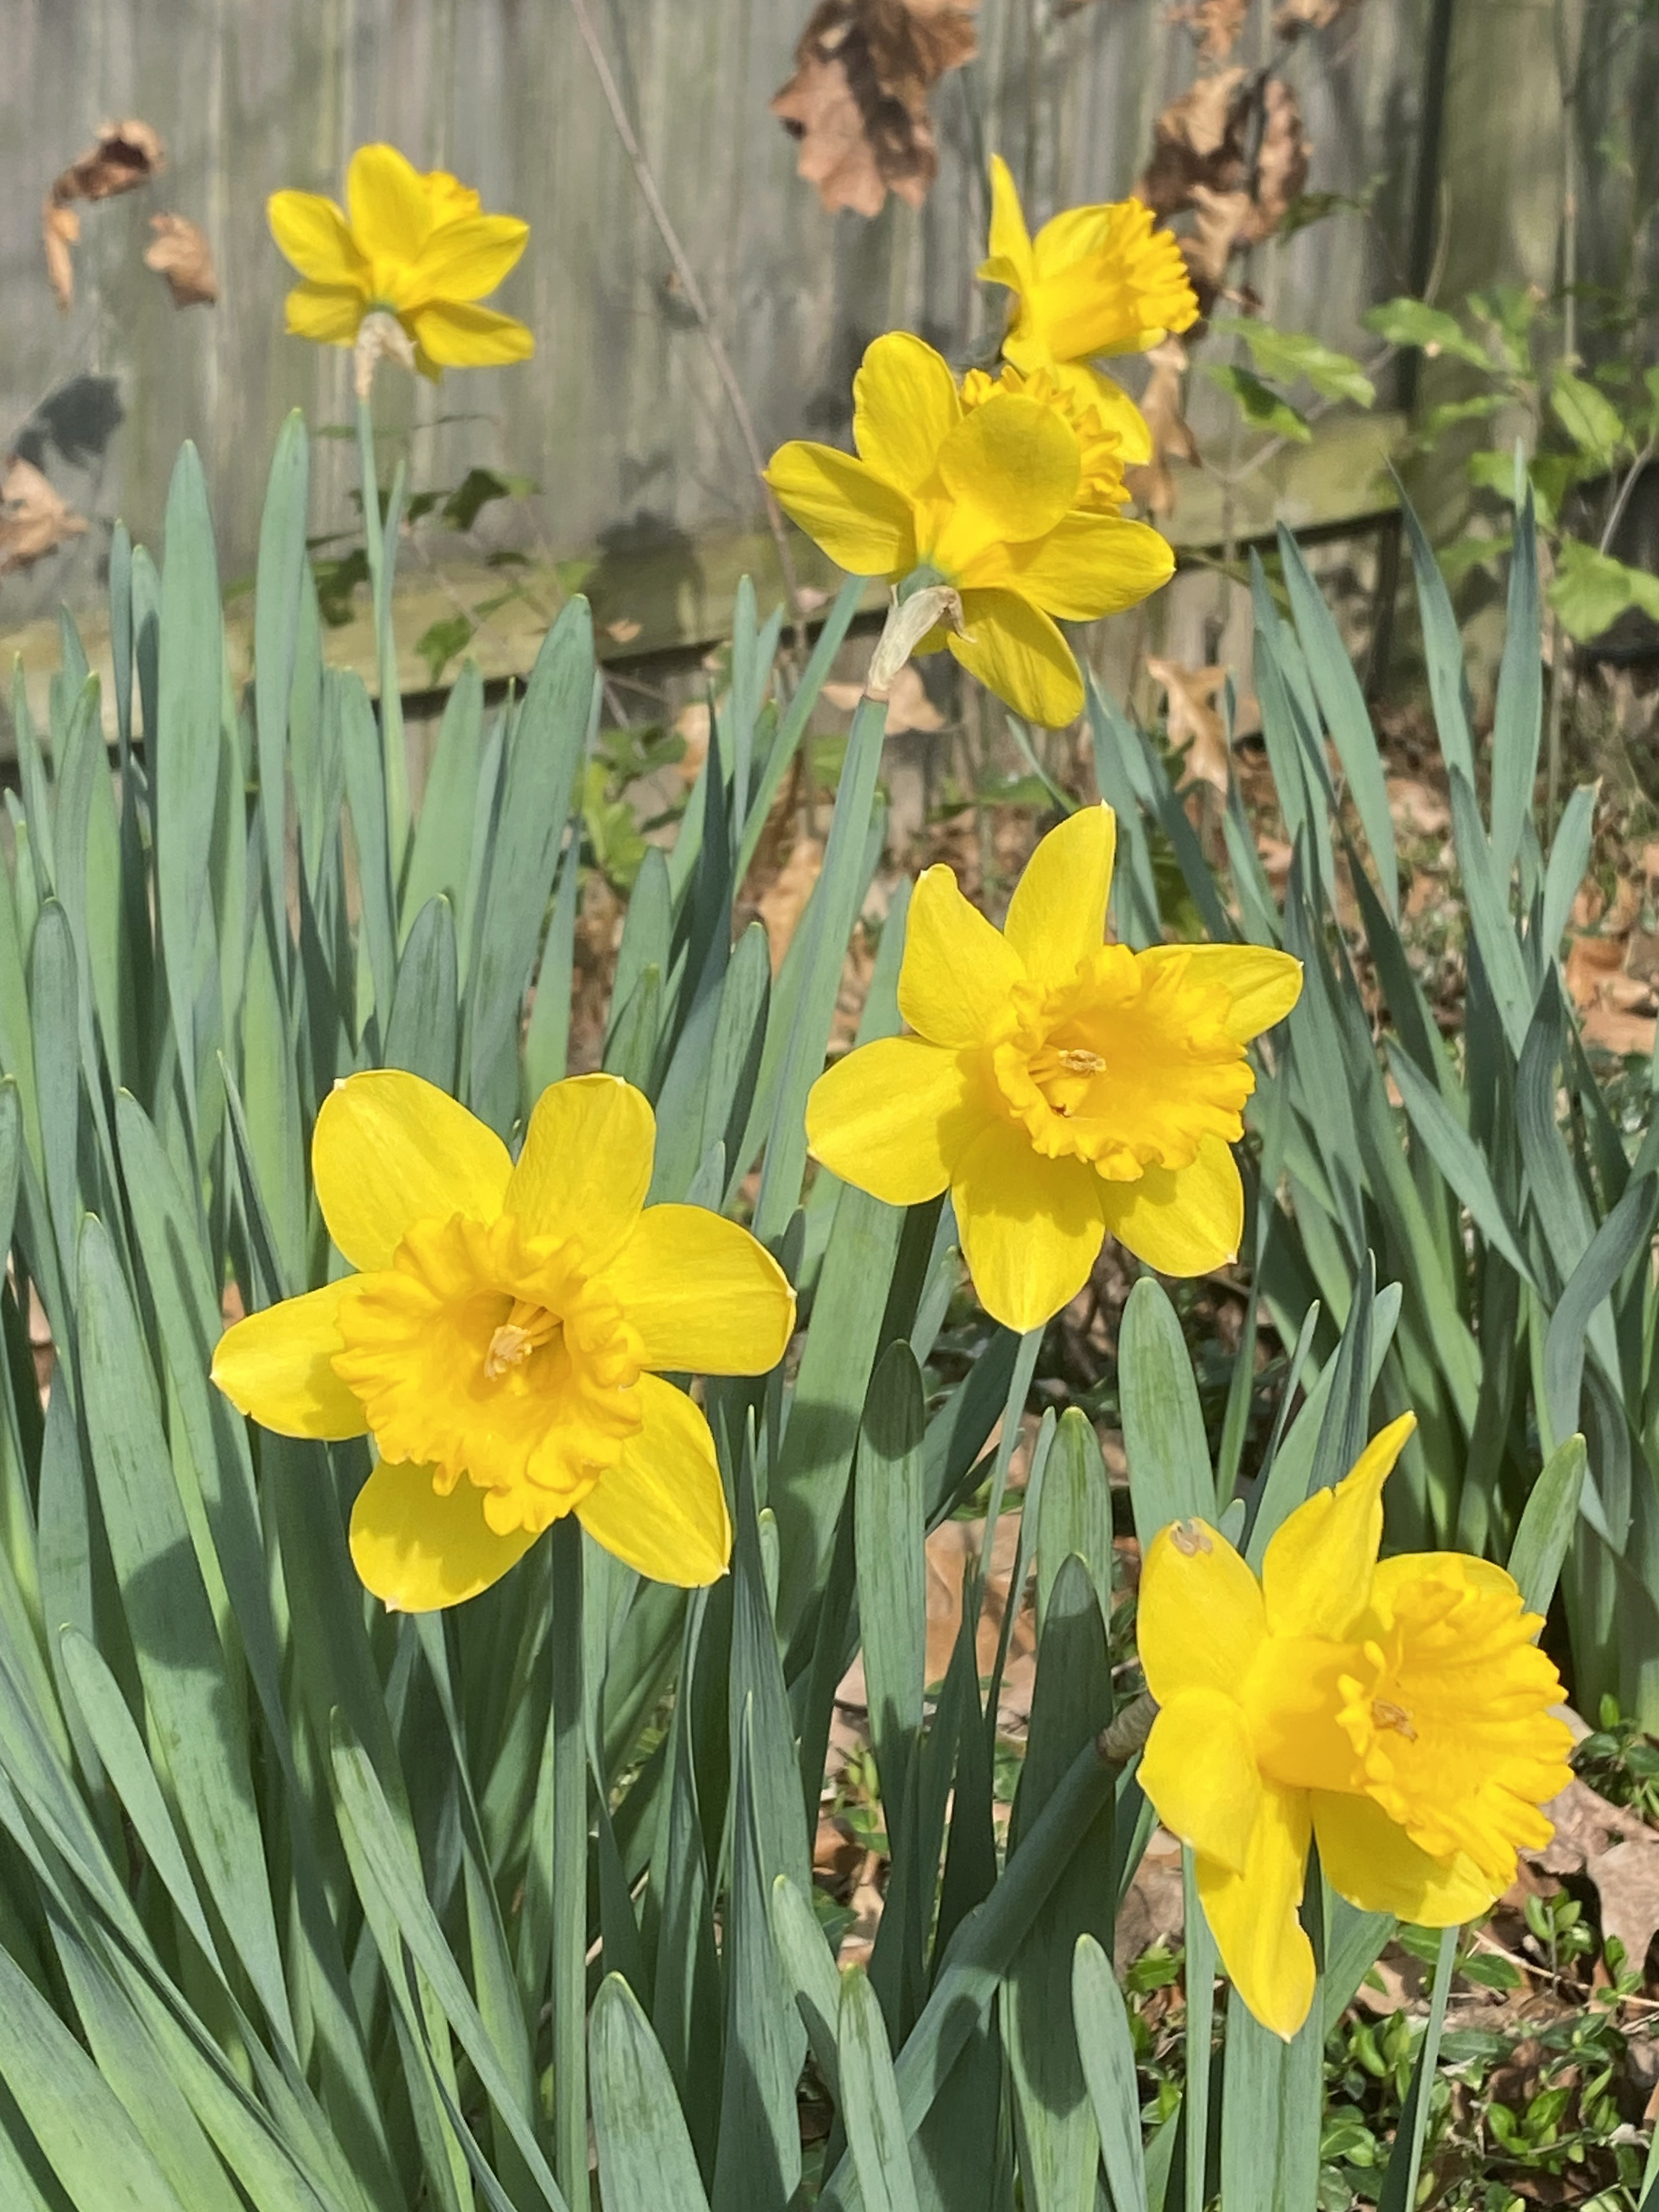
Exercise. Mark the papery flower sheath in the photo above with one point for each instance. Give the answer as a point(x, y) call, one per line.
point(1059, 1087)
point(501, 1341)
point(1095, 280)
point(416, 247)
point(1398, 1711)
point(992, 493)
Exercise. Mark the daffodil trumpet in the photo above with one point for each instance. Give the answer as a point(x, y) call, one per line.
point(504, 1339)
point(1397, 1711)
point(1061, 1088)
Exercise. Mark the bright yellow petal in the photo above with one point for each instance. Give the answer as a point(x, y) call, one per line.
point(586, 1165)
point(1200, 1773)
point(904, 407)
point(417, 1551)
point(311, 233)
point(1316, 1572)
point(861, 521)
point(1092, 565)
point(705, 1296)
point(327, 314)
point(1015, 463)
point(390, 1150)
point(1010, 241)
point(661, 1510)
point(1376, 1865)
point(1253, 1915)
point(1199, 1620)
point(450, 199)
point(277, 1367)
point(466, 260)
point(1263, 985)
point(1116, 411)
point(892, 1117)
point(456, 335)
point(1057, 915)
point(958, 970)
point(1016, 652)
point(1182, 1221)
point(391, 207)
point(1030, 1226)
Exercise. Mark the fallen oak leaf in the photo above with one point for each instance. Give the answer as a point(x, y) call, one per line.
point(1281, 163)
point(33, 520)
point(1195, 726)
point(1161, 408)
point(1619, 1853)
point(1199, 139)
point(1215, 25)
point(180, 252)
point(908, 707)
point(123, 157)
point(858, 100)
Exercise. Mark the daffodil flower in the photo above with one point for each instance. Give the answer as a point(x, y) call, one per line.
point(417, 248)
point(991, 497)
point(1396, 1711)
point(501, 1340)
point(1095, 280)
point(1059, 1087)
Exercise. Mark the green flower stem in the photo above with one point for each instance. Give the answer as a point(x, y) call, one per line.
point(569, 1885)
point(1019, 1383)
point(391, 702)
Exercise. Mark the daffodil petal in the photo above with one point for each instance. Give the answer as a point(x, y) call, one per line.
point(1405, 1568)
point(311, 233)
point(892, 1117)
point(1016, 652)
point(1366, 1858)
point(1316, 1571)
point(465, 260)
point(1014, 462)
point(390, 1150)
point(1010, 241)
point(861, 521)
point(1262, 984)
point(1200, 1620)
point(958, 970)
point(904, 407)
point(704, 1296)
point(661, 1510)
point(391, 207)
point(327, 314)
point(1030, 1226)
point(418, 1552)
point(1182, 1221)
point(1117, 411)
point(1057, 915)
point(1200, 1773)
point(1092, 565)
point(449, 198)
point(1253, 1915)
point(586, 1165)
point(456, 335)
point(277, 1366)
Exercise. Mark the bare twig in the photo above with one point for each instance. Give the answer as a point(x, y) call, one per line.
point(694, 298)
point(1625, 490)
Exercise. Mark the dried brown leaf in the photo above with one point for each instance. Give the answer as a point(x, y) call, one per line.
point(908, 707)
point(1281, 166)
point(1199, 139)
point(60, 227)
point(783, 901)
point(858, 100)
point(1293, 17)
point(33, 520)
point(1619, 1853)
point(1161, 405)
point(1215, 25)
point(123, 156)
point(1195, 726)
point(180, 252)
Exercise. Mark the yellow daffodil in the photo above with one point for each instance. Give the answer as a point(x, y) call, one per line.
point(499, 1341)
point(1398, 1711)
point(1095, 280)
point(992, 498)
point(417, 248)
point(1059, 1087)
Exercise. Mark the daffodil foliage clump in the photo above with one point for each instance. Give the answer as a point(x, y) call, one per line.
point(464, 1481)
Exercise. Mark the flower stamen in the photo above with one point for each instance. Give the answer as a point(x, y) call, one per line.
point(1393, 1717)
point(525, 1328)
point(1081, 1062)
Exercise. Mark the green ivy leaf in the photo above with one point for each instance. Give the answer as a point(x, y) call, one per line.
point(1287, 356)
point(1589, 416)
point(1463, 555)
point(475, 492)
point(1406, 322)
point(1259, 404)
point(439, 644)
point(1591, 590)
